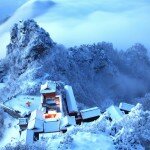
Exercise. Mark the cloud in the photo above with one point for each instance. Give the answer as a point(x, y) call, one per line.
point(75, 22)
point(121, 22)
point(29, 10)
point(9, 7)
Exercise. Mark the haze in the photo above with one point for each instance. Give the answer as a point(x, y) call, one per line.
point(75, 22)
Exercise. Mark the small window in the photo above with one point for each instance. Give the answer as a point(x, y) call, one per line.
point(50, 102)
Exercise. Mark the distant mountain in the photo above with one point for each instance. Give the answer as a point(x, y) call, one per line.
point(99, 74)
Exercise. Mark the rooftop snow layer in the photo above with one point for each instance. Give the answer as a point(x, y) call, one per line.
point(126, 106)
point(114, 112)
point(19, 103)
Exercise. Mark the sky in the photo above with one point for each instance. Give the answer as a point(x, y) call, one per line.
point(75, 22)
point(8, 7)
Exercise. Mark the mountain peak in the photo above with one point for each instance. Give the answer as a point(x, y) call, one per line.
point(28, 36)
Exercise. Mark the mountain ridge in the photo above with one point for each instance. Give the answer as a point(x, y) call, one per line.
point(98, 73)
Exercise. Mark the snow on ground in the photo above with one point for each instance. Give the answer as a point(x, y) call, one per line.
point(52, 140)
point(19, 103)
point(87, 140)
point(11, 131)
point(75, 139)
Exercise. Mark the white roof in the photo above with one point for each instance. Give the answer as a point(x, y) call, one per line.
point(47, 91)
point(51, 119)
point(126, 106)
point(90, 109)
point(52, 126)
point(90, 113)
point(36, 114)
point(48, 87)
point(114, 112)
point(36, 124)
point(71, 102)
point(68, 120)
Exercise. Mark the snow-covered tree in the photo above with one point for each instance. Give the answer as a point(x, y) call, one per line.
point(135, 130)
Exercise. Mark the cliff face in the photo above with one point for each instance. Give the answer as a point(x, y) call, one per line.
point(97, 72)
point(29, 42)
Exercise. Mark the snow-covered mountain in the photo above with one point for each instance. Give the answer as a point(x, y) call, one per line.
point(29, 10)
point(98, 73)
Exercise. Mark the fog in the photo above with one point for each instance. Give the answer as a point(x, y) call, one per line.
point(121, 22)
point(9, 7)
point(75, 22)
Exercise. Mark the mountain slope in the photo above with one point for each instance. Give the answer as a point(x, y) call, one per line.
point(97, 72)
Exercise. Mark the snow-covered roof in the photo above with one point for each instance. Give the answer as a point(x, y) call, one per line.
point(90, 113)
point(36, 114)
point(47, 91)
point(114, 112)
point(71, 102)
point(90, 109)
point(48, 87)
point(126, 106)
point(36, 124)
point(51, 119)
point(68, 120)
point(19, 103)
point(52, 125)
